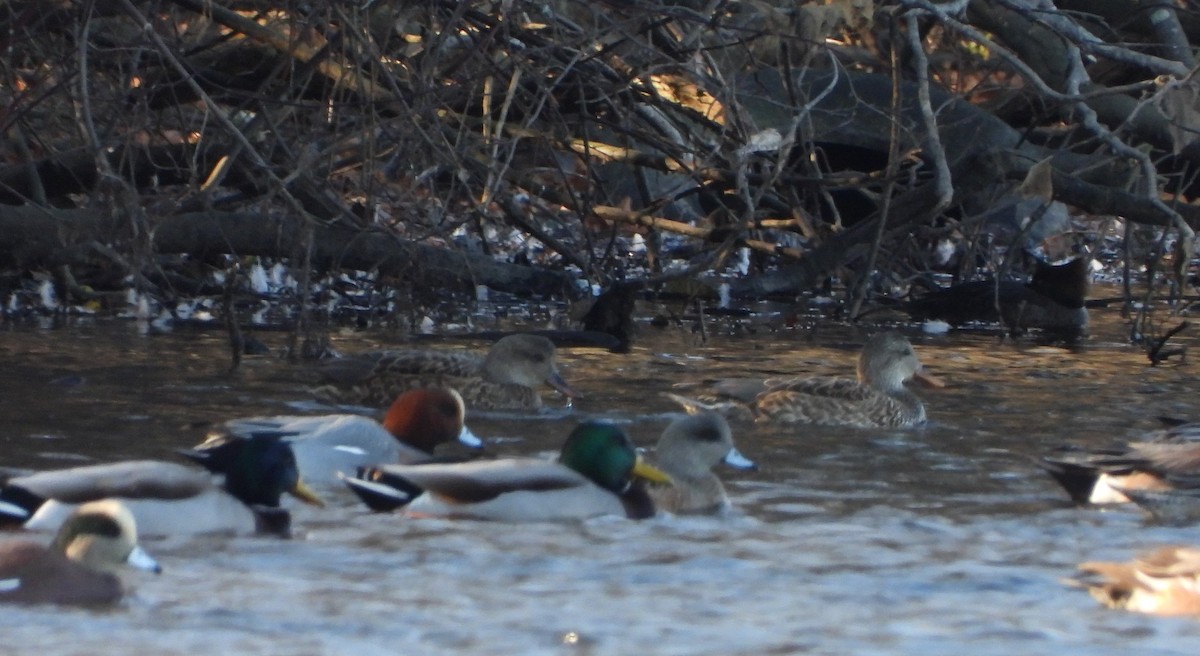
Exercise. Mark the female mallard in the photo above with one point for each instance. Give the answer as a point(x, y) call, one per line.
point(507, 378)
point(417, 422)
point(877, 399)
point(1164, 581)
point(687, 451)
point(594, 475)
point(80, 566)
point(167, 498)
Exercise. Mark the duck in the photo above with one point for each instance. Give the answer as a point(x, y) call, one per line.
point(878, 398)
point(169, 498)
point(598, 472)
point(324, 446)
point(1160, 581)
point(1054, 299)
point(1145, 469)
point(690, 446)
point(507, 378)
point(81, 565)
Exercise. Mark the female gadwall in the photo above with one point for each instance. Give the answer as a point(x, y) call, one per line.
point(507, 378)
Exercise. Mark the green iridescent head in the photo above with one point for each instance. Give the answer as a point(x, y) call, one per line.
point(603, 453)
point(257, 469)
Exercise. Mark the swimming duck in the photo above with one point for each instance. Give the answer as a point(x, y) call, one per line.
point(507, 378)
point(1163, 581)
point(877, 399)
point(594, 475)
point(417, 422)
point(1159, 461)
point(168, 498)
point(80, 566)
point(1053, 299)
point(689, 448)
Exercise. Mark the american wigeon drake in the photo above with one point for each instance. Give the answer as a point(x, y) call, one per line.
point(1147, 468)
point(508, 377)
point(1162, 581)
point(80, 566)
point(1054, 299)
point(595, 474)
point(878, 398)
point(689, 448)
point(168, 498)
point(416, 423)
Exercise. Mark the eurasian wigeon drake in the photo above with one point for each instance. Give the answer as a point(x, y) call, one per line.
point(328, 445)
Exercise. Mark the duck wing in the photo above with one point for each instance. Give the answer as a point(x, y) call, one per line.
point(375, 364)
point(133, 479)
point(833, 402)
point(846, 389)
point(477, 481)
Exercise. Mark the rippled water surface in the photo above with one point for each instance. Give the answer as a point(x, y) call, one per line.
point(939, 540)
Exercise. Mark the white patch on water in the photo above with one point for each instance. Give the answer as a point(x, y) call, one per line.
point(935, 327)
point(48, 296)
point(258, 280)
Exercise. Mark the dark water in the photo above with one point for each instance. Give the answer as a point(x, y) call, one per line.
point(938, 540)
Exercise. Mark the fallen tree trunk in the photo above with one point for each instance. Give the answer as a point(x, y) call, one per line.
point(40, 237)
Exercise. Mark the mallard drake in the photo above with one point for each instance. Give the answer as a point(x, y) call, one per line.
point(877, 399)
point(168, 498)
point(594, 475)
point(80, 565)
point(1054, 299)
point(689, 448)
point(507, 378)
point(417, 422)
point(1159, 461)
point(1163, 581)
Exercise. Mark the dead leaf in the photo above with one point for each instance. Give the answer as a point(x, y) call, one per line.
point(1038, 182)
point(1179, 101)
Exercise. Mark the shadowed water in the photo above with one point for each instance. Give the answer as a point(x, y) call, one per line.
point(935, 540)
